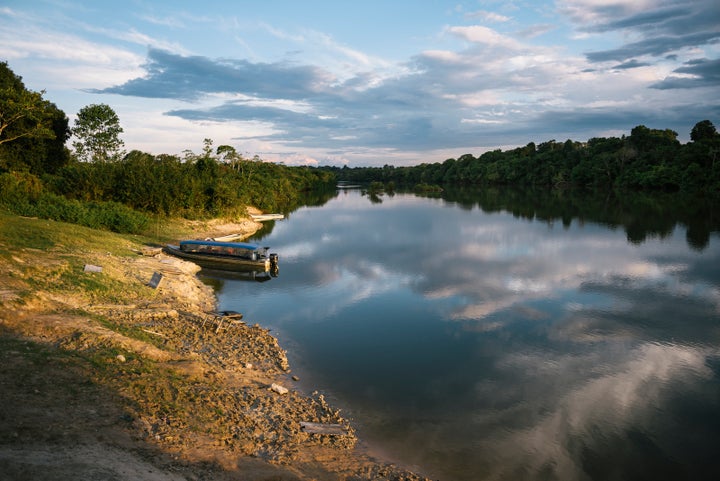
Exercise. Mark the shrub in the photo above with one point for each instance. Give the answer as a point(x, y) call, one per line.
point(22, 193)
point(18, 187)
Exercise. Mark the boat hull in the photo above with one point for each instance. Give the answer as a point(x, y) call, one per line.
point(219, 261)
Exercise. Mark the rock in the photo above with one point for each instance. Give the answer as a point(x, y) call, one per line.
point(295, 378)
point(120, 358)
point(279, 389)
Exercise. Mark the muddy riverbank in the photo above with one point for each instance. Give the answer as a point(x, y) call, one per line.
point(108, 377)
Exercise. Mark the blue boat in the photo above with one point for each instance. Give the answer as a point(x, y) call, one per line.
point(225, 255)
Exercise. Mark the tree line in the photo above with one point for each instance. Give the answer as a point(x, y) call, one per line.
point(647, 159)
point(100, 185)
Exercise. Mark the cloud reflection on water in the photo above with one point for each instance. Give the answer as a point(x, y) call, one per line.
point(589, 414)
point(523, 350)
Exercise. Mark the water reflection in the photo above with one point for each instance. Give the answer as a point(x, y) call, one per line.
point(482, 344)
point(608, 425)
point(249, 275)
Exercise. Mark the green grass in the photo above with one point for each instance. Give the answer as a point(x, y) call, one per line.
point(51, 256)
point(18, 232)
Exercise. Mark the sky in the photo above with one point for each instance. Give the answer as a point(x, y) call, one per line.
point(370, 83)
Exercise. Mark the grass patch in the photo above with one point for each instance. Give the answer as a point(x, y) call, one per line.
point(17, 233)
point(133, 332)
point(51, 255)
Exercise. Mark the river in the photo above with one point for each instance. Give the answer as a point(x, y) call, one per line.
point(494, 335)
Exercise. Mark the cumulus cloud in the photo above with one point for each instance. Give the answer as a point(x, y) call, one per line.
point(536, 30)
point(488, 16)
point(170, 75)
point(483, 35)
point(656, 46)
point(695, 73)
point(632, 64)
point(651, 28)
point(480, 88)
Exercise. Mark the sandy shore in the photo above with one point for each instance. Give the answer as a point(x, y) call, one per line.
point(160, 388)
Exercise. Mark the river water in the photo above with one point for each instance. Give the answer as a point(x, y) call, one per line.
point(493, 336)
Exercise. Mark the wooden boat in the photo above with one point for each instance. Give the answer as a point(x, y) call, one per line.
point(264, 217)
point(224, 255)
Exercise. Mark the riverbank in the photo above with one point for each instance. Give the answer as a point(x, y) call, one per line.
point(108, 377)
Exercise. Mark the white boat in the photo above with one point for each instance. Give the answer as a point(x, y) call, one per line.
point(264, 217)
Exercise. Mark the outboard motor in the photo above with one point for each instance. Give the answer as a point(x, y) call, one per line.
point(274, 269)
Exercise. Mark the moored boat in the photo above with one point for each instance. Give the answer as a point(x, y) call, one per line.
point(225, 255)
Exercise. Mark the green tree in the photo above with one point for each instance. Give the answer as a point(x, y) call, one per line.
point(33, 130)
point(22, 111)
point(229, 156)
point(705, 145)
point(97, 129)
point(703, 130)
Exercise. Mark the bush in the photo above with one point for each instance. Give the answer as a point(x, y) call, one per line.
point(23, 194)
point(19, 187)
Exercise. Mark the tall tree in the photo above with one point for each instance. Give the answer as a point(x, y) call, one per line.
point(97, 129)
point(33, 130)
point(229, 156)
point(703, 130)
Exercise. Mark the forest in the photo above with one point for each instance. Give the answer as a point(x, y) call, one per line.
point(647, 159)
point(99, 185)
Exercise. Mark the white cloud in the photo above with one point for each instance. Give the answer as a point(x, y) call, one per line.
point(595, 11)
point(486, 36)
point(21, 43)
point(444, 56)
point(173, 22)
point(470, 88)
point(488, 16)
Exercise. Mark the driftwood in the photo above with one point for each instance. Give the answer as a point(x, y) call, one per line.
point(153, 332)
point(322, 428)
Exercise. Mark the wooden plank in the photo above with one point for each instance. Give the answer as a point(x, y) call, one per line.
point(321, 428)
point(153, 332)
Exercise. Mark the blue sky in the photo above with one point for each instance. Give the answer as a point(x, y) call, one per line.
point(371, 82)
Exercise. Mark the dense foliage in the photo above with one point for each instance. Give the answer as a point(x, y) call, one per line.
point(98, 186)
point(648, 159)
point(23, 193)
point(33, 131)
point(194, 187)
